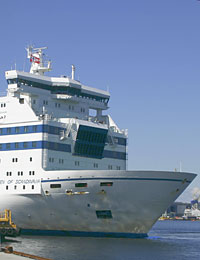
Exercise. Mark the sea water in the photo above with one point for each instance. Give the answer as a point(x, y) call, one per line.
point(167, 240)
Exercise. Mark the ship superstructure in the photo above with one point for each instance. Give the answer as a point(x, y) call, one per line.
point(58, 158)
point(57, 111)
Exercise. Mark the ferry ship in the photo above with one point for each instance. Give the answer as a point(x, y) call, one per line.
point(64, 169)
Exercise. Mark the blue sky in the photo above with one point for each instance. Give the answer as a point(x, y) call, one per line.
point(147, 52)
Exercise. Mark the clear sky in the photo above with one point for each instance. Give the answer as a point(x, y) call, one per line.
point(147, 52)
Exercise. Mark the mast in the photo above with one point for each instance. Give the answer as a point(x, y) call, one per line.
point(36, 57)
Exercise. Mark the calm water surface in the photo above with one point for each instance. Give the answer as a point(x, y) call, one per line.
point(167, 240)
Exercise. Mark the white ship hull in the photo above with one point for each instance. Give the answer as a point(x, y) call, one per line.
point(136, 200)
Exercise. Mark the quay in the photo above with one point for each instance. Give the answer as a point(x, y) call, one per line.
point(8, 253)
point(4, 256)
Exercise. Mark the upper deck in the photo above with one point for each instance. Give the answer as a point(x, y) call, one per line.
point(56, 85)
point(57, 98)
point(62, 119)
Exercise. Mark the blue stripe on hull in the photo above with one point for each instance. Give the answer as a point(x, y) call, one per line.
point(39, 232)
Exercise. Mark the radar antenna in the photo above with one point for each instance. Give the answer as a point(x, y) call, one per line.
point(36, 58)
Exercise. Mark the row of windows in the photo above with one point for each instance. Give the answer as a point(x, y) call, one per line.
point(31, 129)
point(77, 163)
point(117, 140)
point(58, 105)
point(45, 102)
point(81, 185)
point(18, 130)
point(20, 173)
point(3, 104)
point(84, 134)
point(24, 187)
point(16, 159)
point(69, 90)
point(81, 149)
point(110, 167)
point(36, 144)
point(52, 160)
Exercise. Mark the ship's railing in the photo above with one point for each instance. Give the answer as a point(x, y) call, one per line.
point(95, 120)
point(48, 117)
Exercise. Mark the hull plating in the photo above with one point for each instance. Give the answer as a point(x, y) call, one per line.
point(135, 200)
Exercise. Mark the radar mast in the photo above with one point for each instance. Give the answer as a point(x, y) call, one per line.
point(36, 57)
